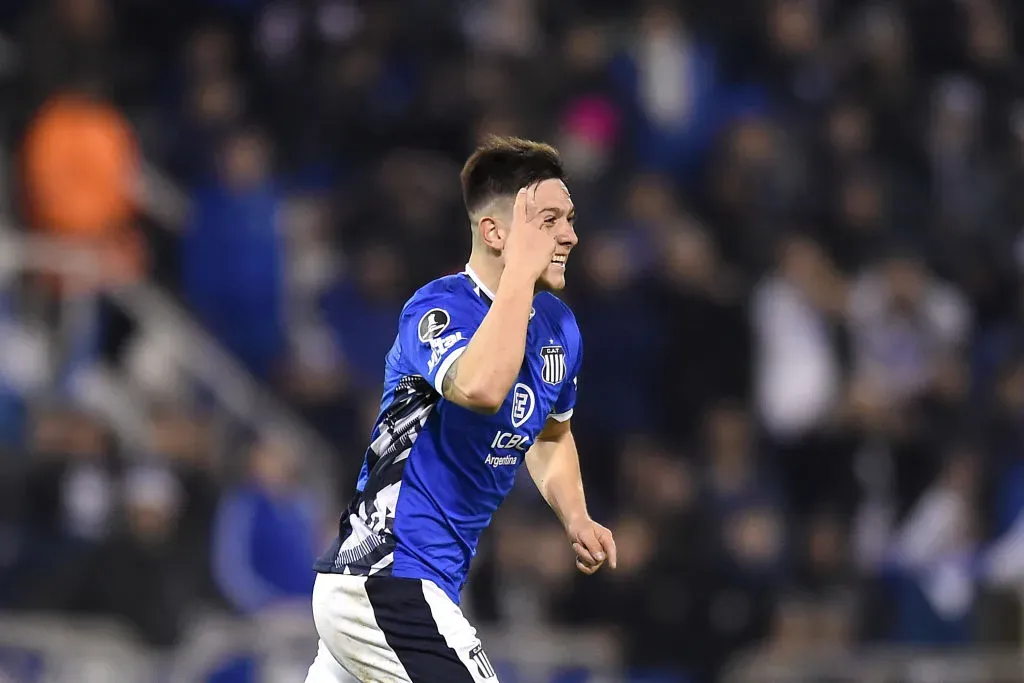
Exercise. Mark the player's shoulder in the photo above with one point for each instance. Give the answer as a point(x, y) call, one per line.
point(556, 311)
point(449, 290)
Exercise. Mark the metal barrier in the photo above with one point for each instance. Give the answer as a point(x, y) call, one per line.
point(279, 649)
point(194, 351)
point(883, 665)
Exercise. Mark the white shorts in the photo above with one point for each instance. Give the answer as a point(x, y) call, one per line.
point(382, 629)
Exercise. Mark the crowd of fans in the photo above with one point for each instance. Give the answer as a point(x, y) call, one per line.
point(798, 283)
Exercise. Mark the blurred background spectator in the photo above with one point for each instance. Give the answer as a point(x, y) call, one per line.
point(799, 279)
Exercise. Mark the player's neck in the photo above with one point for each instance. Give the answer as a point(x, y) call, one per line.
point(487, 270)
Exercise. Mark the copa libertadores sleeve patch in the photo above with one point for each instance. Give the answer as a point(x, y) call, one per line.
point(433, 323)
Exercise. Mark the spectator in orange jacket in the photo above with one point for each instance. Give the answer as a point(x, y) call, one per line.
point(81, 169)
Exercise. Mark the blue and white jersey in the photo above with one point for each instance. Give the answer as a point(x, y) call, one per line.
point(435, 472)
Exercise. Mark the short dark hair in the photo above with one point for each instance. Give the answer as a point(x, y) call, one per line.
point(502, 166)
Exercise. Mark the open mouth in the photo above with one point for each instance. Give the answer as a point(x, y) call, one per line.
point(559, 260)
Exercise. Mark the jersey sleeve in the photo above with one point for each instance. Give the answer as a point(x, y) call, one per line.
point(434, 330)
point(566, 400)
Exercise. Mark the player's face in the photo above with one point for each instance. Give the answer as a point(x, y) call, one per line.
point(559, 216)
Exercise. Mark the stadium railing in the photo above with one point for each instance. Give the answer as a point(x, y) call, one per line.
point(881, 665)
point(279, 646)
point(193, 351)
point(161, 197)
point(275, 648)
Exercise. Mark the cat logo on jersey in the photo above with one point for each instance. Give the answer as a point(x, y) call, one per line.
point(433, 323)
point(483, 664)
point(553, 371)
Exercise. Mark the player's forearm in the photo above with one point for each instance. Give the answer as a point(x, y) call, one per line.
point(483, 375)
point(554, 465)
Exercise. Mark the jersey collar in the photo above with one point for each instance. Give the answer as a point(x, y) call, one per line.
point(481, 288)
point(484, 292)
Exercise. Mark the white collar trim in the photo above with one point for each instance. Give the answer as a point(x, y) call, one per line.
point(479, 283)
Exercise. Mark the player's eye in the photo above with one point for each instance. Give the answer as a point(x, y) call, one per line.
point(550, 220)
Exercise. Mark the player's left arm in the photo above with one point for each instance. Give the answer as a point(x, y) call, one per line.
point(554, 464)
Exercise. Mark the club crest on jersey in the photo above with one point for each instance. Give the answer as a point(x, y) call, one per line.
point(553, 371)
point(433, 323)
point(483, 664)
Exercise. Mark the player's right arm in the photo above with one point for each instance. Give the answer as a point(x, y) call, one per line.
point(481, 378)
point(472, 360)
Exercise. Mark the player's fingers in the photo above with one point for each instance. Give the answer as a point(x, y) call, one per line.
point(588, 539)
point(583, 554)
point(519, 207)
point(586, 569)
point(608, 543)
point(531, 201)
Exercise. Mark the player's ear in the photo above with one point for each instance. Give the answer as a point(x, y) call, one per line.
point(492, 232)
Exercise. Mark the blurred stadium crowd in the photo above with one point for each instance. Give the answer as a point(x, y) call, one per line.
point(798, 281)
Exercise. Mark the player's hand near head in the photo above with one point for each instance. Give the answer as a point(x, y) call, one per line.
point(529, 248)
point(482, 377)
point(594, 545)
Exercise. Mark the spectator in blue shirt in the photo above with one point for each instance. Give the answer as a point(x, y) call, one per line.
point(233, 256)
point(264, 536)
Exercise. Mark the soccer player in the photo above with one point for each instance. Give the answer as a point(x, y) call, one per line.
point(481, 377)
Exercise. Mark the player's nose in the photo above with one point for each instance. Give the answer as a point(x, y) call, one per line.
point(567, 236)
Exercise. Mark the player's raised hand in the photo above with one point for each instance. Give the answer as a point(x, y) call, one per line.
point(529, 248)
point(594, 545)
